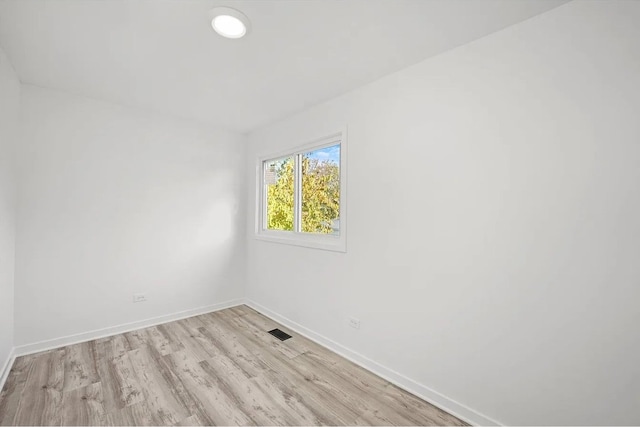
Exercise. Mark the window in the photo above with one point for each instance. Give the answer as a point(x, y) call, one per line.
point(302, 195)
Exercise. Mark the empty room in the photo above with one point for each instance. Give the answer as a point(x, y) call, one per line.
point(319, 212)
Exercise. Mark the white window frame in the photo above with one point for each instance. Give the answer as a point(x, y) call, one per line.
point(310, 240)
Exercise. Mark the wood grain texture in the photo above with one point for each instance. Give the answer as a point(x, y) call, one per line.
point(84, 406)
point(159, 386)
point(10, 396)
point(40, 401)
point(80, 365)
point(137, 414)
point(120, 383)
point(220, 368)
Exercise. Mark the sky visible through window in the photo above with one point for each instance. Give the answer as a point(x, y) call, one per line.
point(330, 154)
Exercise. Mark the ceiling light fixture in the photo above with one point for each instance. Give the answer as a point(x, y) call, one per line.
point(229, 23)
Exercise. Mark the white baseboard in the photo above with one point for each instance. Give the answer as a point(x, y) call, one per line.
point(451, 406)
point(441, 401)
point(6, 368)
point(39, 346)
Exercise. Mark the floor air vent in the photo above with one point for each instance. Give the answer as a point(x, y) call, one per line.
point(279, 334)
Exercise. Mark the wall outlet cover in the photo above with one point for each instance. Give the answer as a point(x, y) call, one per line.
point(139, 297)
point(354, 323)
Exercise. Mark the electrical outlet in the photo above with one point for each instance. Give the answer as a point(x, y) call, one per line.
point(139, 297)
point(354, 323)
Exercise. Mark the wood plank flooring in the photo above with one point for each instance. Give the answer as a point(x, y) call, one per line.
point(221, 368)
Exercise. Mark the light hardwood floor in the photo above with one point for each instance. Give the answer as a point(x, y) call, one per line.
point(221, 368)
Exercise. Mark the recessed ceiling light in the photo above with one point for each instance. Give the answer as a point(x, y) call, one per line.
point(229, 23)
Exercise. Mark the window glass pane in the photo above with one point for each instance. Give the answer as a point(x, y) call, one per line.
point(278, 180)
point(321, 191)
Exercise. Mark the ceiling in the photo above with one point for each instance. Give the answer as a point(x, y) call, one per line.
point(163, 55)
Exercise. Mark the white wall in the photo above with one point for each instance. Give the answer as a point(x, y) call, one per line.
point(113, 201)
point(9, 112)
point(494, 221)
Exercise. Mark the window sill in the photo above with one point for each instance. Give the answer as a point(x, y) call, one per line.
point(327, 243)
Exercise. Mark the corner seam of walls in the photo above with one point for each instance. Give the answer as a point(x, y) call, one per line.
point(6, 368)
point(14, 155)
